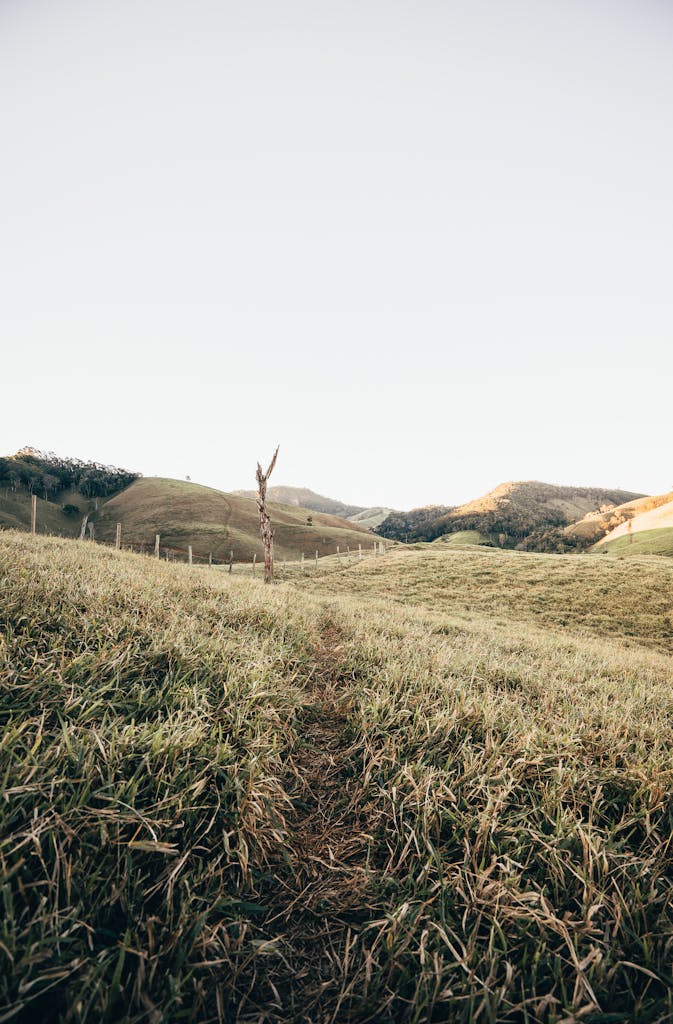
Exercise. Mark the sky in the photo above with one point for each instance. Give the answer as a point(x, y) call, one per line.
point(425, 247)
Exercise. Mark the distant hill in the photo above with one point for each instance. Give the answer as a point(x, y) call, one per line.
point(305, 498)
point(649, 531)
point(515, 514)
point(595, 526)
point(302, 497)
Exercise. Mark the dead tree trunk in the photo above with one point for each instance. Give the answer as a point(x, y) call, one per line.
point(265, 519)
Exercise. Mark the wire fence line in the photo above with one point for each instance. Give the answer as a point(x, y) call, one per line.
point(232, 560)
point(236, 562)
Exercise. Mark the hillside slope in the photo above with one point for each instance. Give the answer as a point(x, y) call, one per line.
point(647, 532)
point(595, 525)
point(508, 514)
point(187, 513)
point(303, 497)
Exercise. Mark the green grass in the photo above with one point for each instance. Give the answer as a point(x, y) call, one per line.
point(433, 786)
point(463, 537)
point(643, 542)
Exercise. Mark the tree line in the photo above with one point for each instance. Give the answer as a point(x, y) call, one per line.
point(47, 474)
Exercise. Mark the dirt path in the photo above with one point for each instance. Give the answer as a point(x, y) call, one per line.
point(315, 912)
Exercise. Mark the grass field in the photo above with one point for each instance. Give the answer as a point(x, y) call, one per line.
point(643, 542)
point(435, 786)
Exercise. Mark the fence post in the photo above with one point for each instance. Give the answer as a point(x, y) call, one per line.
point(189, 553)
point(374, 546)
point(316, 559)
point(231, 561)
point(359, 552)
point(283, 566)
point(210, 559)
point(118, 539)
point(254, 563)
point(338, 553)
point(348, 552)
point(33, 514)
point(302, 562)
point(157, 541)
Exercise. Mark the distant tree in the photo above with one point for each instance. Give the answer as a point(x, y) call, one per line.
point(50, 483)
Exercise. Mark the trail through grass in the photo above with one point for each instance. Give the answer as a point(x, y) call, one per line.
point(224, 802)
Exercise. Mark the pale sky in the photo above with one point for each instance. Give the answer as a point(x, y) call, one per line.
point(425, 246)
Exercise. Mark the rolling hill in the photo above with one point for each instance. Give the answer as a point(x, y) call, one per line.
point(186, 513)
point(648, 532)
point(370, 518)
point(182, 513)
point(508, 515)
point(303, 497)
point(595, 525)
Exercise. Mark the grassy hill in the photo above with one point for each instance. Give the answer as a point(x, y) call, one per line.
point(649, 519)
point(186, 513)
point(642, 542)
point(594, 526)
point(508, 515)
point(434, 786)
point(303, 497)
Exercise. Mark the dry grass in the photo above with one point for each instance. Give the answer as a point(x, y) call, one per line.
point(187, 513)
point(229, 804)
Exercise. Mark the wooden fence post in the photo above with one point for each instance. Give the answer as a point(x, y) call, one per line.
point(189, 553)
point(374, 546)
point(210, 559)
point(360, 552)
point(316, 559)
point(338, 554)
point(231, 561)
point(33, 514)
point(118, 540)
point(157, 543)
point(302, 562)
point(254, 563)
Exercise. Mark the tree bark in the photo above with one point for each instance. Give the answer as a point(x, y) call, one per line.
point(264, 518)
